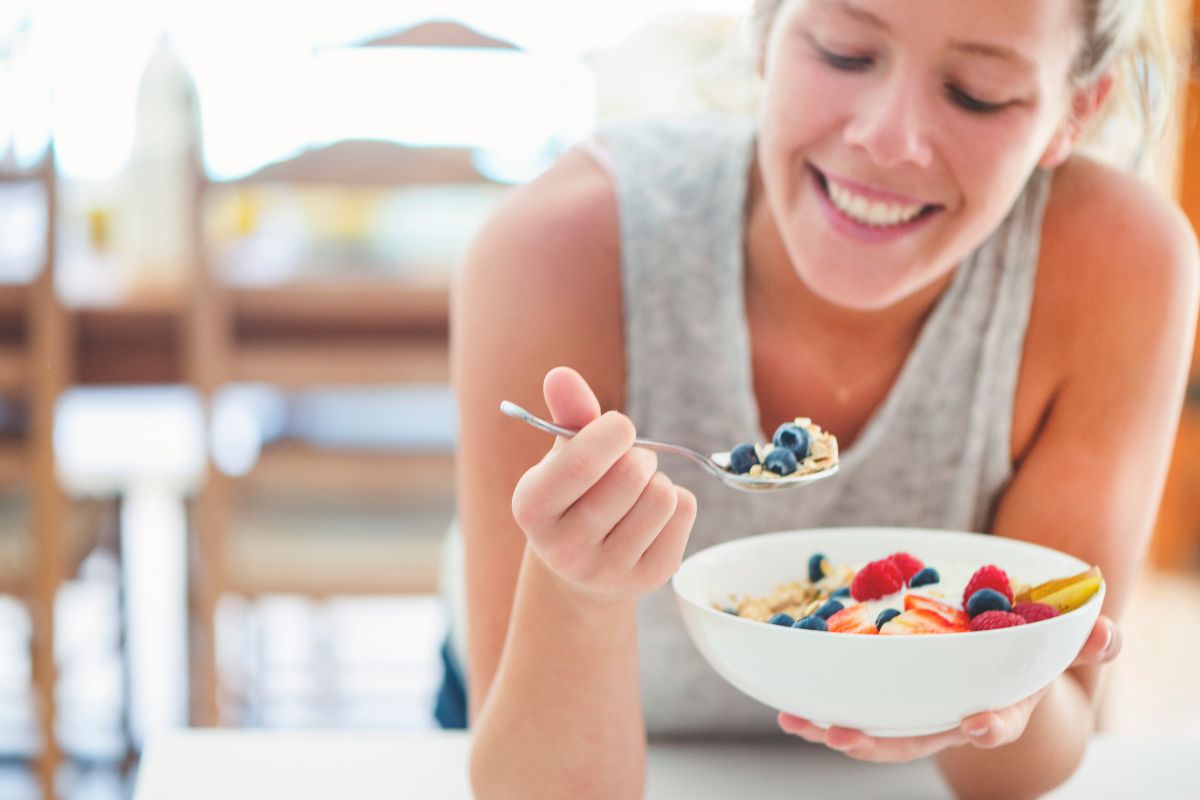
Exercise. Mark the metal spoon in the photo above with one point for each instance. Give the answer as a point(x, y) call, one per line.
point(717, 464)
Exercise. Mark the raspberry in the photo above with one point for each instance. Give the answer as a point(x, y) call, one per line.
point(908, 565)
point(1034, 612)
point(989, 577)
point(875, 580)
point(991, 620)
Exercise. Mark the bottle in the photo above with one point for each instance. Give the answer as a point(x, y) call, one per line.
point(160, 177)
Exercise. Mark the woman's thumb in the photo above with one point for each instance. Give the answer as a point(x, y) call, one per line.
point(571, 401)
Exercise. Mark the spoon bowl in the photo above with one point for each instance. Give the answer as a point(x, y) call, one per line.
point(748, 483)
point(716, 464)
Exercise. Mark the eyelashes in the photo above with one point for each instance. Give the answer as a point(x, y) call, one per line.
point(956, 94)
point(970, 103)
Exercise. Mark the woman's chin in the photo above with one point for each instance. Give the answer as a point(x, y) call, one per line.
point(855, 293)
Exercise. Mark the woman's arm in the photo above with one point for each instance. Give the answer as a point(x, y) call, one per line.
point(1091, 483)
point(552, 667)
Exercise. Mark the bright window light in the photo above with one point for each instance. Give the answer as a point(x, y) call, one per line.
point(488, 99)
point(261, 85)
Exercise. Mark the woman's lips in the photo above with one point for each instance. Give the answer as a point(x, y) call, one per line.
point(872, 193)
point(861, 231)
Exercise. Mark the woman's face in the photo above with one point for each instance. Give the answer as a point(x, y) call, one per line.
point(896, 136)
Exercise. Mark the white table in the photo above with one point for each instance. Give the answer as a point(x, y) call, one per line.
point(206, 764)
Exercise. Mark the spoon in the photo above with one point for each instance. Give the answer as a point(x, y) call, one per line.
point(717, 464)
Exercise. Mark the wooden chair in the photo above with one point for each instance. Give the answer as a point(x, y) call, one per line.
point(43, 537)
point(273, 530)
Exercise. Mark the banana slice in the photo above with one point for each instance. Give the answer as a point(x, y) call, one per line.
point(1065, 594)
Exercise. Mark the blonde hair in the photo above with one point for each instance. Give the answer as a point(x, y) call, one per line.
point(1128, 38)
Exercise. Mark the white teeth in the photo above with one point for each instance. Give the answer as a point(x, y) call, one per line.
point(870, 212)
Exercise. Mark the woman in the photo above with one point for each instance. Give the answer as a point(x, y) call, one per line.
point(903, 248)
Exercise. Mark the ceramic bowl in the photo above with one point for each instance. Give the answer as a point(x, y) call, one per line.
point(884, 685)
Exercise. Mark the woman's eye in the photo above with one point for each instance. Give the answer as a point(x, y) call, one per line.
point(966, 101)
point(846, 63)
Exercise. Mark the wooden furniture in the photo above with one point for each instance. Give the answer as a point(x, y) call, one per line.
point(44, 548)
point(321, 334)
point(33, 366)
point(273, 530)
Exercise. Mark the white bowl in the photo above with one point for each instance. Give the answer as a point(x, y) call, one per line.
point(883, 685)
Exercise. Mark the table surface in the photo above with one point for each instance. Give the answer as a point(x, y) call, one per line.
point(229, 764)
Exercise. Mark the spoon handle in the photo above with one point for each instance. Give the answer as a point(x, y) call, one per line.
point(516, 412)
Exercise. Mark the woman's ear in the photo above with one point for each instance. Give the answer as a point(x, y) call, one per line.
point(1085, 103)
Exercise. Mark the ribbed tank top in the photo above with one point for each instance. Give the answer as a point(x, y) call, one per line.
point(935, 453)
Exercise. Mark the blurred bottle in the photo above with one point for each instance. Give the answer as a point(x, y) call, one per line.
point(14, 30)
point(157, 208)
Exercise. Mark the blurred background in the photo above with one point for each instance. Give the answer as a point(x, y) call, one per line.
point(227, 233)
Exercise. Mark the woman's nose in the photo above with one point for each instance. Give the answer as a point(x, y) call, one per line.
point(890, 125)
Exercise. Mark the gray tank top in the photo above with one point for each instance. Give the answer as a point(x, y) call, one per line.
point(681, 186)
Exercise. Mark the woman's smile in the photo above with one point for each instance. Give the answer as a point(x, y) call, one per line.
point(869, 216)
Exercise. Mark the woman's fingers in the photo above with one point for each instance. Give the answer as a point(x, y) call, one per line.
point(858, 745)
point(568, 471)
point(986, 730)
point(1002, 726)
point(571, 402)
point(1103, 644)
point(630, 537)
point(798, 726)
point(891, 750)
point(612, 497)
point(664, 554)
point(596, 509)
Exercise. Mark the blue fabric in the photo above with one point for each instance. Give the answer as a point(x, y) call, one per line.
point(450, 709)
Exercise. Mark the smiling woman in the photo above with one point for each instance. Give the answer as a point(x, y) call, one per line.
point(990, 92)
point(1129, 40)
point(905, 247)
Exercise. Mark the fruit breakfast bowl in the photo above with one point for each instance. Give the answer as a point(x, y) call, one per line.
point(847, 667)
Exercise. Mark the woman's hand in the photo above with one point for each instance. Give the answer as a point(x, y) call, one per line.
point(984, 730)
point(596, 510)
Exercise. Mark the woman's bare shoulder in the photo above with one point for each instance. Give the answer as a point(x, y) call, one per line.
point(554, 233)
point(1117, 255)
point(541, 281)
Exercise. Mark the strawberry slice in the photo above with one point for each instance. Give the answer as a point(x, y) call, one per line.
point(956, 618)
point(855, 619)
point(919, 620)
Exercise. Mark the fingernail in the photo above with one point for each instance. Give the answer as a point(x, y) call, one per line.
point(1108, 639)
point(842, 747)
point(979, 731)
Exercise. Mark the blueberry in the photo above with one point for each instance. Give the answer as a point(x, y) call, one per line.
point(830, 608)
point(780, 461)
point(816, 567)
point(792, 437)
point(782, 619)
point(842, 592)
point(742, 458)
point(812, 623)
point(884, 616)
point(987, 600)
point(924, 577)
